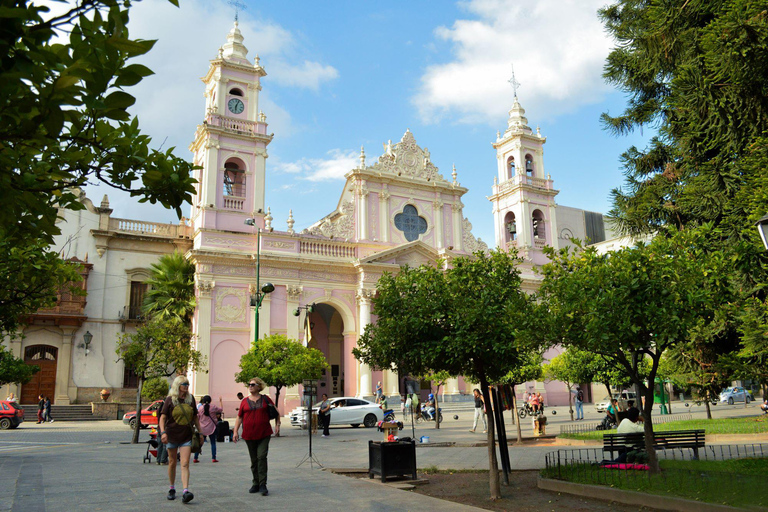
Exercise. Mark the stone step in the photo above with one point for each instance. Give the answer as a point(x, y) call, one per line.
point(63, 412)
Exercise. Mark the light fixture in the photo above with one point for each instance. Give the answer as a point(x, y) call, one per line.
point(762, 228)
point(87, 338)
point(249, 222)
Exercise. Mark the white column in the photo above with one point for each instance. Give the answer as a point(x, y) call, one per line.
point(525, 225)
point(364, 387)
point(438, 218)
point(259, 170)
point(363, 212)
point(458, 225)
point(210, 172)
point(293, 293)
point(452, 387)
point(202, 380)
point(264, 317)
point(64, 367)
point(554, 241)
point(221, 97)
point(253, 102)
point(498, 225)
point(390, 385)
point(384, 214)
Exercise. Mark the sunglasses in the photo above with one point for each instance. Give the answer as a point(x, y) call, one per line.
point(252, 384)
point(184, 384)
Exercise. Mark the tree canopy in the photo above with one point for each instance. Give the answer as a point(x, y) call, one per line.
point(171, 294)
point(14, 370)
point(471, 319)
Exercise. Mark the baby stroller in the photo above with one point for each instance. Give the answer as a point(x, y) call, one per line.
point(608, 423)
point(151, 448)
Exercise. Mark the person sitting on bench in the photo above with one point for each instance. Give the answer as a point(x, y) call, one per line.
point(633, 423)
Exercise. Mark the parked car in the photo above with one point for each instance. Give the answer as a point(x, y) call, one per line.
point(345, 410)
point(149, 416)
point(11, 415)
point(735, 394)
point(624, 396)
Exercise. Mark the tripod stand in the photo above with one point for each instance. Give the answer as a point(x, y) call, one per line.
point(310, 457)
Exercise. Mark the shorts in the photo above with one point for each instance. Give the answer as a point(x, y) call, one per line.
point(172, 446)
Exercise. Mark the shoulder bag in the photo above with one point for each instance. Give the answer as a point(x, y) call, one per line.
point(272, 411)
point(196, 446)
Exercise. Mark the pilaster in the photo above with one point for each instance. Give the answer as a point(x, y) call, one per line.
point(201, 381)
point(364, 373)
point(64, 367)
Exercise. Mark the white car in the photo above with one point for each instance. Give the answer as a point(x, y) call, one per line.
point(625, 396)
point(345, 410)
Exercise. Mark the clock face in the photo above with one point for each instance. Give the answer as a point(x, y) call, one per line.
point(235, 106)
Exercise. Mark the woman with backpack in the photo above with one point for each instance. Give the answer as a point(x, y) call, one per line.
point(207, 412)
point(579, 401)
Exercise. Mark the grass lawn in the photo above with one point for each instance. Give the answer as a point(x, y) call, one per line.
point(749, 425)
point(736, 482)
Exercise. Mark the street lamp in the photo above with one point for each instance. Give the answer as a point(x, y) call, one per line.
point(762, 228)
point(261, 291)
point(87, 337)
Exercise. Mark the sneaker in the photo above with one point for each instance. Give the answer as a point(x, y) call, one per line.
point(196, 461)
point(254, 489)
point(263, 490)
point(214, 460)
point(187, 497)
point(172, 494)
point(472, 430)
point(485, 431)
point(324, 435)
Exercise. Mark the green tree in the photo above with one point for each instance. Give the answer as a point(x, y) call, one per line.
point(466, 320)
point(437, 379)
point(571, 367)
point(159, 348)
point(155, 388)
point(529, 369)
point(281, 362)
point(31, 277)
point(171, 294)
point(632, 304)
point(14, 370)
point(65, 119)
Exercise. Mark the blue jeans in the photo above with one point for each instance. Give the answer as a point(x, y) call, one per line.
point(579, 410)
point(212, 439)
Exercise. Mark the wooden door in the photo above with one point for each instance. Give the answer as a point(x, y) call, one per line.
point(44, 381)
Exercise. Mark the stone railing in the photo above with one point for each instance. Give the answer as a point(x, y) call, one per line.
point(234, 203)
point(511, 244)
point(522, 179)
point(140, 227)
point(539, 243)
point(236, 125)
point(327, 249)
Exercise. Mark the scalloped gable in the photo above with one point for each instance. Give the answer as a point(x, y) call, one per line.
point(407, 159)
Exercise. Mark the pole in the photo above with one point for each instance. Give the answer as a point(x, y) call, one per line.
point(258, 285)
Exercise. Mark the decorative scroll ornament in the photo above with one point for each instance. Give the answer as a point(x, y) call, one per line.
point(342, 227)
point(406, 158)
point(472, 244)
point(294, 292)
point(228, 312)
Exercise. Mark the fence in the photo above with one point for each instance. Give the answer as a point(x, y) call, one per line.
point(736, 482)
point(582, 428)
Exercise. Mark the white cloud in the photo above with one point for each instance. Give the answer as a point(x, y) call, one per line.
point(309, 74)
point(338, 163)
point(558, 48)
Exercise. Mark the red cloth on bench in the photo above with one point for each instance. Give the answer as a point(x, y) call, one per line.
point(626, 465)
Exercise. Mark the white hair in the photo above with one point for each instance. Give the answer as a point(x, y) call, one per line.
point(174, 394)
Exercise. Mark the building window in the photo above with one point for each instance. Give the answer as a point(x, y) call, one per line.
point(510, 227)
point(130, 379)
point(234, 180)
point(40, 353)
point(511, 167)
point(538, 225)
point(138, 290)
point(236, 92)
point(410, 223)
point(529, 165)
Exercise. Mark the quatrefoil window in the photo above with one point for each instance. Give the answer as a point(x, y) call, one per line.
point(410, 223)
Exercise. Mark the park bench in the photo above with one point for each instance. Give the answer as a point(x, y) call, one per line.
point(693, 439)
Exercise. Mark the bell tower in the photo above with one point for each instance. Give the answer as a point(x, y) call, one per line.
point(230, 147)
point(523, 196)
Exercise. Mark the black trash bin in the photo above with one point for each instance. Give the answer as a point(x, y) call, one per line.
point(392, 459)
point(222, 431)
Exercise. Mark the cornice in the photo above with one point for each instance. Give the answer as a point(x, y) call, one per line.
point(223, 63)
point(405, 181)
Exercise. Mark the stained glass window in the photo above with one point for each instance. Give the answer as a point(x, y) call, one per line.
point(410, 223)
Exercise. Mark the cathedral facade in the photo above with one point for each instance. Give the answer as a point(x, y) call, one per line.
point(393, 210)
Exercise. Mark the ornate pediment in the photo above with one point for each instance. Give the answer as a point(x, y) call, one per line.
point(412, 254)
point(342, 226)
point(406, 158)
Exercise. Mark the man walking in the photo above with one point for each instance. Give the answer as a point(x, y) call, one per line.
point(579, 401)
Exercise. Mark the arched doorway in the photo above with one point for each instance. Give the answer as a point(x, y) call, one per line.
point(326, 327)
point(44, 381)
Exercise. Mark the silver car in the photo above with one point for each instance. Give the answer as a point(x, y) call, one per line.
point(345, 410)
point(735, 394)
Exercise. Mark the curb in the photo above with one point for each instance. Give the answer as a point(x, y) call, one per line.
point(631, 497)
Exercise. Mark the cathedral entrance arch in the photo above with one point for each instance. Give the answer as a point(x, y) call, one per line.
point(44, 381)
point(326, 328)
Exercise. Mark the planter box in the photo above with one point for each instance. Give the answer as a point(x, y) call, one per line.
point(392, 459)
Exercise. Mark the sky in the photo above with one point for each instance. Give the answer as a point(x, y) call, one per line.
point(346, 74)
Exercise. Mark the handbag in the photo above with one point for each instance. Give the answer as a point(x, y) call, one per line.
point(196, 446)
point(272, 411)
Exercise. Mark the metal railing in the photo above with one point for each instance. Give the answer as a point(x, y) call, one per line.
point(583, 428)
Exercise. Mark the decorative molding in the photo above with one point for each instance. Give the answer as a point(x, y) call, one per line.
point(437, 204)
point(279, 272)
point(328, 276)
point(406, 158)
point(294, 292)
point(457, 206)
point(343, 227)
point(227, 312)
point(364, 295)
point(228, 270)
point(216, 240)
point(205, 287)
point(472, 244)
point(280, 245)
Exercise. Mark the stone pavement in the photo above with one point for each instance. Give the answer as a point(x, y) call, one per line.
point(88, 465)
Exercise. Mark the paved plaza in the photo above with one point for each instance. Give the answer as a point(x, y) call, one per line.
point(92, 466)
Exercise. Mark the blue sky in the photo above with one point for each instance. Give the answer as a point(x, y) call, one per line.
point(348, 73)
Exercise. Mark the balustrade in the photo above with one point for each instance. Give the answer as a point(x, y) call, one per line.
point(327, 249)
point(234, 203)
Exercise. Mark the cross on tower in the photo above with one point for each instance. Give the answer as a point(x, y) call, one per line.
point(237, 5)
point(515, 84)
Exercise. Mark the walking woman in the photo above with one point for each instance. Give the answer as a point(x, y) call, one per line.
point(253, 415)
point(177, 416)
point(479, 411)
point(206, 411)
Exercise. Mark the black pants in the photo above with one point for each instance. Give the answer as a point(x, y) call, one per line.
point(325, 419)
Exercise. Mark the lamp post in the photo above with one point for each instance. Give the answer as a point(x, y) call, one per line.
point(261, 291)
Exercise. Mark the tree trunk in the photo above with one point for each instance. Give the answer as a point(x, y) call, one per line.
point(437, 408)
point(277, 406)
point(653, 460)
point(516, 415)
point(493, 464)
point(709, 411)
point(570, 400)
point(137, 428)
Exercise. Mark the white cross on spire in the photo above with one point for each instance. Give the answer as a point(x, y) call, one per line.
point(514, 83)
